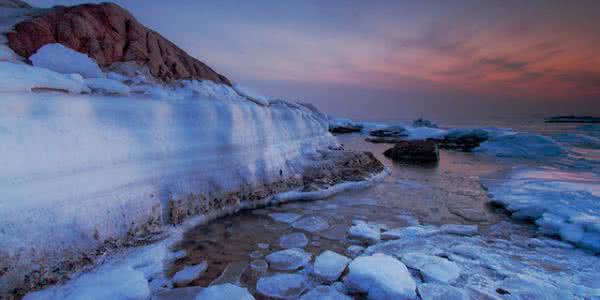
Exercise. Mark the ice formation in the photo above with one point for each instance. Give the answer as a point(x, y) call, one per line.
point(289, 259)
point(562, 203)
point(329, 266)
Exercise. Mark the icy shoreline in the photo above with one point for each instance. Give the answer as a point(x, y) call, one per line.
point(138, 273)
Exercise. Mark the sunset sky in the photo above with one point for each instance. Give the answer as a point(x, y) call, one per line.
point(417, 57)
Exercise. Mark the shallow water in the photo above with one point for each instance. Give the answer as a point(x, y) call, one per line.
point(449, 192)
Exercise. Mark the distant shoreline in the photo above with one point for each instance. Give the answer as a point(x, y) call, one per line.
point(573, 119)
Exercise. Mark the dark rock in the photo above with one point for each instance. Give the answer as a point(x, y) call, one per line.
point(109, 34)
point(414, 151)
point(338, 129)
point(462, 143)
point(384, 140)
point(573, 119)
point(391, 131)
point(420, 122)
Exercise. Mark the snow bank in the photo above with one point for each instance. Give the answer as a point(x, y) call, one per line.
point(566, 204)
point(251, 95)
point(107, 86)
point(19, 77)
point(78, 170)
point(60, 59)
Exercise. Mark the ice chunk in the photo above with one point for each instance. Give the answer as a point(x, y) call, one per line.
point(259, 265)
point(365, 232)
point(189, 274)
point(311, 224)
point(18, 77)
point(224, 292)
point(434, 269)
point(459, 229)
point(289, 259)
point(410, 232)
point(186, 293)
point(282, 286)
point(324, 292)
point(355, 250)
point(329, 266)
point(106, 86)
point(381, 276)
point(61, 59)
point(232, 273)
point(293, 240)
point(431, 291)
point(285, 217)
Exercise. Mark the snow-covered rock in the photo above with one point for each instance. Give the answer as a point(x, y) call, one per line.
point(324, 292)
point(259, 265)
point(432, 291)
point(293, 240)
point(365, 232)
point(381, 277)
point(355, 250)
point(311, 224)
point(189, 274)
point(19, 77)
point(329, 266)
point(434, 269)
point(224, 292)
point(282, 286)
point(289, 259)
point(58, 58)
point(285, 217)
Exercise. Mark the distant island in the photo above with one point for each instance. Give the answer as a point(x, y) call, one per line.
point(573, 119)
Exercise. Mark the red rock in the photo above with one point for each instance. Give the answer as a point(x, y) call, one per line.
point(109, 34)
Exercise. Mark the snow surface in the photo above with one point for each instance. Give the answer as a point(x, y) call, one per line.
point(562, 203)
point(434, 269)
point(381, 276)
point(61, 59)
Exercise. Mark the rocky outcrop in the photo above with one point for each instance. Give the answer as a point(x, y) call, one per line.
point(462, 143)
point(414, 151)
point(109, 34)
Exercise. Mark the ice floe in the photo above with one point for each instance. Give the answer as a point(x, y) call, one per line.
point(224, 292)
point(432, 291)
point(329, 266)
point(565, 204)
point(19, 77)
point(324, 292)
point(189, 274)
point(289, 259)
point(365, 232)
point(282, 285)
point(285, 217)
point(311, 224)
point(293, 240)
point(381, 277)
point(434, 269)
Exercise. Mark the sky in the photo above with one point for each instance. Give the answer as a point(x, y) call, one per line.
point(396, 59)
